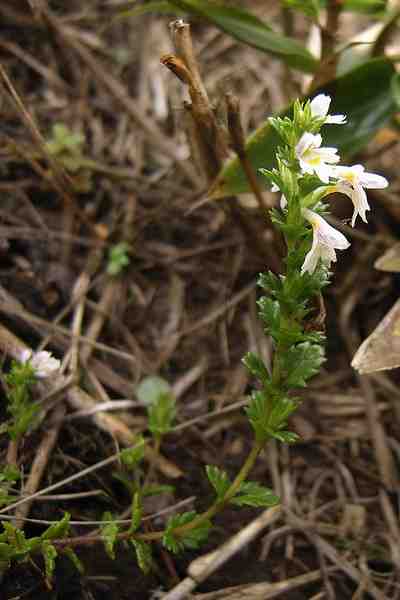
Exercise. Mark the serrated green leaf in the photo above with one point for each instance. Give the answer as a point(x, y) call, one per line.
point(151, 388)
point(281, 328)
point(256, 367)
point(143, 555)
point(282, 408)
point(270, 313)
point(109, 532)
point(287, 437)
point(9, 473)
point(162, 414)
point(132, 456)
point(368, 109)
point(257, 414)
point(251, 493)
point(57, 530)
point(6, 553)
point(219, 480)
point(249, 29)
point(49, 553)
point(74, 559)
point(176, 542)
point(17, 541)
point(136, 512)
point(301, 362)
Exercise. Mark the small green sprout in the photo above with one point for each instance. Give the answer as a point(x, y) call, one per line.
point(118, 258)
point(66, 146)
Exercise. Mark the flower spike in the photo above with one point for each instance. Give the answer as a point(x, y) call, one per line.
point(326, 239)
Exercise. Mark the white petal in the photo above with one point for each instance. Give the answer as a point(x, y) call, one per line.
point(329, 236)
point(373, 181)
point(44, 364)
point(307, 141)
point(324, 172)
point(328, 255)
point(305, 167)
point(283, 202)
point(325, 239)
point(360, 204)
point(336, 119)
point(25, 355)
point(349, 173)
point(311, 259)
point(317, 140)
point(328, 154)
point(320, 105)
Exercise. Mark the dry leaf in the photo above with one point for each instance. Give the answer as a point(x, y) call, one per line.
point(390, 260)
point(381, 350)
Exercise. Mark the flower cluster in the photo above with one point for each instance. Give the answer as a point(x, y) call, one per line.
point(306, 156)
point(43, 363)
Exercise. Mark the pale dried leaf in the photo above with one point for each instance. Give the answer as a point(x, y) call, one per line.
point(390, 260)
point(381, 350)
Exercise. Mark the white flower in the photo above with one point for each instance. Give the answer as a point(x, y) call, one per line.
point(313, 158)
point(352, 181)
point(319, 108)
point(43, 363)
point(326, 240)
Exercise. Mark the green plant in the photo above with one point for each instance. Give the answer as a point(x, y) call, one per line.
point(67, 146)
point(19, 381)
point(306, 173)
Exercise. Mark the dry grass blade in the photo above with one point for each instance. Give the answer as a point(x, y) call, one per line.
point(42, 457)
point(262, 591)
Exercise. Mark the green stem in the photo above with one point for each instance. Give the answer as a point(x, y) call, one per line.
point(154, 536)
point(230, 493)
point(150, 473)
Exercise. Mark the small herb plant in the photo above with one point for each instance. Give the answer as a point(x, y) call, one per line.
point(306, 173)
point(23, 374)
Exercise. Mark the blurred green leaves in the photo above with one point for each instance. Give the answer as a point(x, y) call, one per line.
point(249, 29)
point(118, 258)
point(242, 25)
point(109, 532)
point(156, 394)
point(312, 7)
